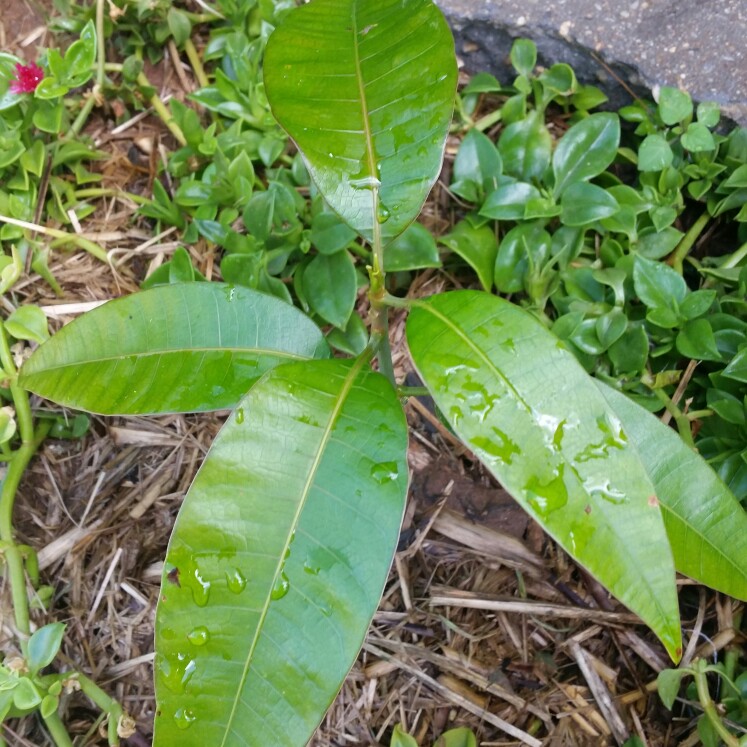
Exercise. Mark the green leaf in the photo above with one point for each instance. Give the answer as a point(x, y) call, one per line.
point(526, 148)
point(583, 204)
point(412, 250)
point(508, 202)
point(329, 234)
point(654, 244)
point(28, 323)
point(654, 153)
point(26, 695)
point(585, 150)
point(279, 557)
point(477, 247)
point(353, 339)
point(524, 56)
point(697, 138)
point(330, 286)
point(706, 525)
point(657, 284)
point(695, 340)
point(179, 25)
point(44, 645)
point(528, 410)
point(477, 167)
point(174, 348)
point(400, 738)
point(49, 705)
point(525, 245)
point(737, 369)
point(462, 737)
point(366, 90)
point(674, 105)
point(709, 113)
point(668, 684)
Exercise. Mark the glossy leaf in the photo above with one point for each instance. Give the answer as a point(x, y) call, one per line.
point(584, 203)
point(524, 405)
point(278, 558)
point(654, 153)
point(526, 147)
point(508, 202)
point(44, 645)
point(585, 150)
point(412, 250)
point(330, 285)
point(657, 284)
point(477, 167)
point(366, 89)
point(476, 246)
point(175, 348)
point(707, 526)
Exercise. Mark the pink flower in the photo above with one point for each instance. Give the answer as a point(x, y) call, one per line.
point(27, 78)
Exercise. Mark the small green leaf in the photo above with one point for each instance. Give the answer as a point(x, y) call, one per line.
point(524, 56)
point(657, 284)
point(174, 348)
point(737, 369)
point(28, 322)
point(508, 202)
point(654, 153)
point(583, 204)
point(698, 138)
point(7, 424)
point(329, 234)
point(412, 250)
point(708, 113)
point(668, 684)
point(477, 167)
point(675, 106)
point(610, 327)
point(44, 645)
point(707, 732)
point(400, 738)
point(521, 244)
point(697, 303)
point(353, 339)
point(330, 286)
point(49, 705)
point(585, 150)
point(526, 148)
point(653, 244)
point(25, 695)
point(476, 246)
point(179, 25)
point(695, 340)
point(462, 737)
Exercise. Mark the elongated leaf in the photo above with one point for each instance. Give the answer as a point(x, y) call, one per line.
point(706, 524)
point(174, 348)
point(366, 89)
point(278, 558)
point(520, 400)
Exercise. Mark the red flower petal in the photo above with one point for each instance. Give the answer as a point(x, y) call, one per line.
point(27, 78)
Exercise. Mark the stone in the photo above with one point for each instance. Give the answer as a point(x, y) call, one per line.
point(638, 45)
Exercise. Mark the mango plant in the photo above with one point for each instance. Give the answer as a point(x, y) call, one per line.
point(281, 549)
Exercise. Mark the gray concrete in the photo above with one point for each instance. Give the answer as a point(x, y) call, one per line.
point(699, 45)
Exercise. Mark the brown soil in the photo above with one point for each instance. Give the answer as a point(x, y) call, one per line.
point(484, 621)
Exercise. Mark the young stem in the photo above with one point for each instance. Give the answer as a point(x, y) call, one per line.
point(682, 421)
point(709, 707)
point(106, 704)
point(688, 240)
point(63, 236)
point(196, 62)
point(163, 112)
point(57, 730)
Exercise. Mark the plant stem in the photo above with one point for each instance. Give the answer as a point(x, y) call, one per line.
point(64, 237)
point(709, 707)
point(83, 194)
point(682, 420)
point(684, 247)
point(162, 111)
point(194, 60)
point(105, 703)
point(57, 730)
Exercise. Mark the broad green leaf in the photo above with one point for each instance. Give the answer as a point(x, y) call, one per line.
point(400, 738)
point(524, 56)
point(654, 153)
point(585, 150)
point(44, 645)
point(477, 167)
point(523, 248)
point(366, 90)
point(526, 148)
point(175, 348)
point(278, 558)
point(697, 138)
point(707, 526)
point(737, 369)
point(477, 247)
point(28, 322)
point(329, 234)
point(412, 250)
point(523, 404)
point(674, 105)
point(330, 285)
point(695, 340)
point(584, 203)
point(462, 737)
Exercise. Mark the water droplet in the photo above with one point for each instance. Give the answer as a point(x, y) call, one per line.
point(613, 438)
point(604, 491)
point(545, 497)
point(236, 580)
point(200, 589)
point(240, 416)
point(199, 636)
point(176, 671)
point(499, 446)
point(184, 718)
point(382, 213)
point(508, 346)
point(311, 568)
point(168, 634)
point(281, 587)
point(384, 472)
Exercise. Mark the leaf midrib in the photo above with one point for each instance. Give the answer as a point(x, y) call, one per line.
point(323, 442)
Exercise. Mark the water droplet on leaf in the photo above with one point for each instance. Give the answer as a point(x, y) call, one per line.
point(281, 587)
point(199, 636)
point(236, 581)
point(184, 718)
point(384, 472)
point(240, 416)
